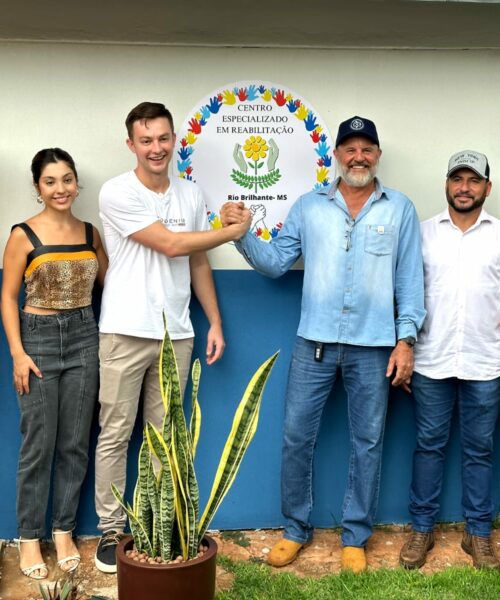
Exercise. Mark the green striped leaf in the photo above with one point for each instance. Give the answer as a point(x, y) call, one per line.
point(242, 431)
point(190, 498)
point(166, 500)
point(195, 423)
point(182, 455)
point(169, 386)
point(188, 488)
point(142, 500)
point(142, 542)
point(154, 502)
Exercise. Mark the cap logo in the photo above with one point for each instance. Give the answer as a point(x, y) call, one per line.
point(469, 159)
point(357, 124)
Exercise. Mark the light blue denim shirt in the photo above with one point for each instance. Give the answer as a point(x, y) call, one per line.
point(363, 277)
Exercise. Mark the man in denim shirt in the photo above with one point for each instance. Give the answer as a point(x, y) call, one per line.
point(362, 305)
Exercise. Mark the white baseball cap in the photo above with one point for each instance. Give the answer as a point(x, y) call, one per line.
point(469, 159)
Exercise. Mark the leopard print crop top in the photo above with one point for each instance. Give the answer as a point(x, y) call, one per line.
point(60, 276)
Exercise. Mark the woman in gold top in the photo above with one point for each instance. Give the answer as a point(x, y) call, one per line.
point(54, 346)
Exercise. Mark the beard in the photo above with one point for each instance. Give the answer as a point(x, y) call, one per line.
point(474, 205)
point(355, 179)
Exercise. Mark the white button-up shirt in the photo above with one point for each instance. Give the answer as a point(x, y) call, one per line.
point(461, 333)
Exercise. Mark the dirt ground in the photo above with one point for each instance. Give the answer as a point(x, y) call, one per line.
point(321, 558)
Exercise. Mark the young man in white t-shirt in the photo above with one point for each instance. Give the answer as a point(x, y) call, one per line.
point(156, 234)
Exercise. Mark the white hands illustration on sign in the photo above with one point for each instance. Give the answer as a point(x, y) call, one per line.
point(258, 215)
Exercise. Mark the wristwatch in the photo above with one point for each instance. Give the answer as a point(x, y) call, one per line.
point(410, 340)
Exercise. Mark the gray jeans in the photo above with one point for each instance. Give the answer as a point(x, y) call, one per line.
point(56, 417)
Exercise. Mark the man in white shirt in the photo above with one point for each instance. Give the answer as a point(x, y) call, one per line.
point(457, 360)
point(157, 234)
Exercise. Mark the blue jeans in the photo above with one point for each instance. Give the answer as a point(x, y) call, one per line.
point(478, 405)
point(309, 385)
point(56, 417)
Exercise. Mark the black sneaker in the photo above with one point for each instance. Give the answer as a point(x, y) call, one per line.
point(105, 554)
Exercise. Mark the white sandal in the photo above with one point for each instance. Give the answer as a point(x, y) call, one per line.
point(64, 561)
point(31, 571)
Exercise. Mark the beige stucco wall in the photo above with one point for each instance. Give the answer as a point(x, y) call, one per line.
point(426, 104)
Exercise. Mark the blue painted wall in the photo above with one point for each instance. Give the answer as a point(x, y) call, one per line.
point(260, 316)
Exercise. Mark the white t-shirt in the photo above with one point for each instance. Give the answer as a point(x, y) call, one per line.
point(461, 332)
point(142, 284)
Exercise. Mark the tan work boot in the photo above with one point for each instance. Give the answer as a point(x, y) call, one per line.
point(481, 550)
point(353, 559)
point(414, 553)
point(284, 552)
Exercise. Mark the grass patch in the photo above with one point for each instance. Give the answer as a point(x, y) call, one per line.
point(237, 536)
point(259, 582)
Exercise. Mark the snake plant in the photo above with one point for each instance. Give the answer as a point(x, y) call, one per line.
point(164, 515)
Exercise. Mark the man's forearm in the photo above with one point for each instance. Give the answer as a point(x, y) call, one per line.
point(203, 285)
point(173, 244)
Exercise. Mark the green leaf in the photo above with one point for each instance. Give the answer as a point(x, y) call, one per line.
point(242, 179)
point(167, 491)
point(170, 385)
point(67, 589)
point(187, 494)
point(141, 539)
point(195, 423)
point(262, 181)
point(269, 179)
point(240, 436)
point(143, 504)
point(43, 592)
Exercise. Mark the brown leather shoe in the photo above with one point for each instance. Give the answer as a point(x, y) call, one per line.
point(353, 559)
point(414, 553)
point(284, 552)
point(481, 550)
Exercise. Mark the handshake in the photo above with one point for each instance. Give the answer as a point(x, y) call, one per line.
point(235, 213)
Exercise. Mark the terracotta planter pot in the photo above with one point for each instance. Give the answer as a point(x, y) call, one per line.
point(192, 580)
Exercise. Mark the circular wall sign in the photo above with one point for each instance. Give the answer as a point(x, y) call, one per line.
point(256, 142)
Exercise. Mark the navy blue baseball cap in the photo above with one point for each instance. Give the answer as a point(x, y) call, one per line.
point(357, 126)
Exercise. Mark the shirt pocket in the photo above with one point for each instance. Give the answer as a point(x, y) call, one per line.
point(379, 239)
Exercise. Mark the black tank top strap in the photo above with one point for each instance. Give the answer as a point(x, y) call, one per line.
point(89, 233)
point(33, 238)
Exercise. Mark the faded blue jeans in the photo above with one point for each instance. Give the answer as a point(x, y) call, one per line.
point(478, 405)
point(309, 385)
point(56, 416)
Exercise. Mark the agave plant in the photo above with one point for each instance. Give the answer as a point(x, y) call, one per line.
point(164, 516)
point(65, 591)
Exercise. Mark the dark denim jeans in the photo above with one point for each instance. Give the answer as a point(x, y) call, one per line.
point(56, 416)
point(309, 385)
point(478, 406)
